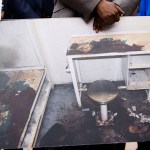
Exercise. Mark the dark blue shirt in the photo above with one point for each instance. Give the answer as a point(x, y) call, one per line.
point(144, 9)
point(24, 9)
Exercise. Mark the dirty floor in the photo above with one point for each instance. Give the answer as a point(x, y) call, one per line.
point(65, 124)
point(18, 90)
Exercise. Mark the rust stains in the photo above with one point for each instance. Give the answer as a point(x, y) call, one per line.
point(105, 45)
point(17, 94)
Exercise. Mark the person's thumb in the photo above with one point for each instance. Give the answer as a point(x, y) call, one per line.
point(120, 11)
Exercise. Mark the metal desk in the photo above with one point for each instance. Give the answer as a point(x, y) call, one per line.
point(134, 49)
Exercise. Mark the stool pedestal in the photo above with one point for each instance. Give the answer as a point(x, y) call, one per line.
point(104, 115)
point(103, 92)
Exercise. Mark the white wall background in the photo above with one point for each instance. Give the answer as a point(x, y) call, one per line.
point(54, 34)
point(16, 47)
point(50, 37)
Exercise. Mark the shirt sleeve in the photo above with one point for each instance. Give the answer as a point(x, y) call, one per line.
point(83, 8)
point(128, 6)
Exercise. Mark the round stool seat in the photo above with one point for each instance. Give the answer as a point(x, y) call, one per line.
point(102, 91)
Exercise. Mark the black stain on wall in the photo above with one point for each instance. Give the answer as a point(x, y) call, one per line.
point(106, 45)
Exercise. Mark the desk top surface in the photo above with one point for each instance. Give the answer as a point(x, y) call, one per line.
point(109, 44)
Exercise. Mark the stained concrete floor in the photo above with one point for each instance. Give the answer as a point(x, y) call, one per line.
point(66, 124)
point(62, 101)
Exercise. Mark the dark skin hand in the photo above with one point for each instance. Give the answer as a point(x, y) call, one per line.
point(107, 13)
point(2, 15)
point(99, 23)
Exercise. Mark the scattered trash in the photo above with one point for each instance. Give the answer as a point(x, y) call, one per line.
point(93, 113)
point(115, 114)
point(86, 109)
point(123, 98)
point(134, 108)
point(143, 118)
point(138, 129)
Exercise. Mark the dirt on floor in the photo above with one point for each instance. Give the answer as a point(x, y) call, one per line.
point(78, 126)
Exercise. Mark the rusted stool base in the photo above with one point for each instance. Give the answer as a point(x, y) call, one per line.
point(103, 92)
point(100, 122)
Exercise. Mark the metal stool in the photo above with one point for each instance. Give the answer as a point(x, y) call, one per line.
point(102, 92)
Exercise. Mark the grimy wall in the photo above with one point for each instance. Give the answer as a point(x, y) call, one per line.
point(50, 37)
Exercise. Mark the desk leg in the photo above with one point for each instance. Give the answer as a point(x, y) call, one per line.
point(78, 70)
point(148, 95)
point(75, 79)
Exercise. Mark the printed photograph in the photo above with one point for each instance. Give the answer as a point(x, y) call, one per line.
point(62, 84)
point(74, 74)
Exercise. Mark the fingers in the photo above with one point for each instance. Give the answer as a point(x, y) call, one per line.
point(2, 15)
point(120, 11)
point(97, 24)
point(112, 18)
point(109, 11)
point(117, 17)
